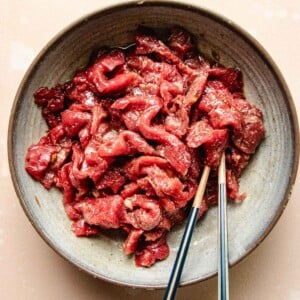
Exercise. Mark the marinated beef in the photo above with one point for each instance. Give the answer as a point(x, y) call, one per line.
point(129, 135)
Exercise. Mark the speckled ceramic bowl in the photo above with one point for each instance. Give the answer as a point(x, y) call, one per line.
point(267, 181)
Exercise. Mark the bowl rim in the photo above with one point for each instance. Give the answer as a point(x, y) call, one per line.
point(171, 4)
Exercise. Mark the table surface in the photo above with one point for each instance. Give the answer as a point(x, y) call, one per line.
point(32, 270)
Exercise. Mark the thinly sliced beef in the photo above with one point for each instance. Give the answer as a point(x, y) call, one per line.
point(218, 103)
point(169, 186)
point(173, 148)
point(180, 41)
point(149, 44)
point(157, 78)
point(81, 90)
point(237, 160)
point(177, 120)
point(253, 131)
point(52, 102)
point(230, 77)
point(125, 143)
point(39, 158)
point(73, 121)
point(137, 166)
point(104, 212)
point(99, 74)
point(201, 133)
point(142, 212)
point(81, 228)
point(64, 183)
point(157, 250)
point(233, 186)
point(197, 86)
point(82, 169)
point(215, 149)
point(130, 134)
point(112, 179)
point(214, 141)
point(131, 243)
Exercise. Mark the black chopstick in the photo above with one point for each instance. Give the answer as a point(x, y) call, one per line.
point(186, 238)
point(223, 278)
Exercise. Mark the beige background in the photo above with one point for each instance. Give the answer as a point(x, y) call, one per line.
point(29, 269)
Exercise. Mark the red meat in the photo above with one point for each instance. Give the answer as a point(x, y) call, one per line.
point(157, 250)
point(39, 158)
point(104, 212)
point(142, 212)
point(180, 41)
point(80, 228)
point(100, 73)
point(129, 135)
point(131, 242)
point(249, 137)
point(218, 103)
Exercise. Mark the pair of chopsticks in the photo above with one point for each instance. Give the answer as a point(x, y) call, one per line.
point(223, 286)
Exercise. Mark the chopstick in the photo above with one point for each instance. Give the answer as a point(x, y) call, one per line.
point(186, 238)
point(223, 278)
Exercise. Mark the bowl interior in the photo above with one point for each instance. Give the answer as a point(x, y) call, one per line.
point(265, 181)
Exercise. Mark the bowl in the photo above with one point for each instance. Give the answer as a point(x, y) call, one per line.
point(268, 180)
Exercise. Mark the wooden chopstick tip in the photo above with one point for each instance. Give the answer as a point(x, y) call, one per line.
point(222, 170)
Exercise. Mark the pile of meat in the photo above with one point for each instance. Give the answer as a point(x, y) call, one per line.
point(129, 135)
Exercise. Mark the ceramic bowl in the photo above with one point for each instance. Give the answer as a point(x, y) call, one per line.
point(267, 181)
